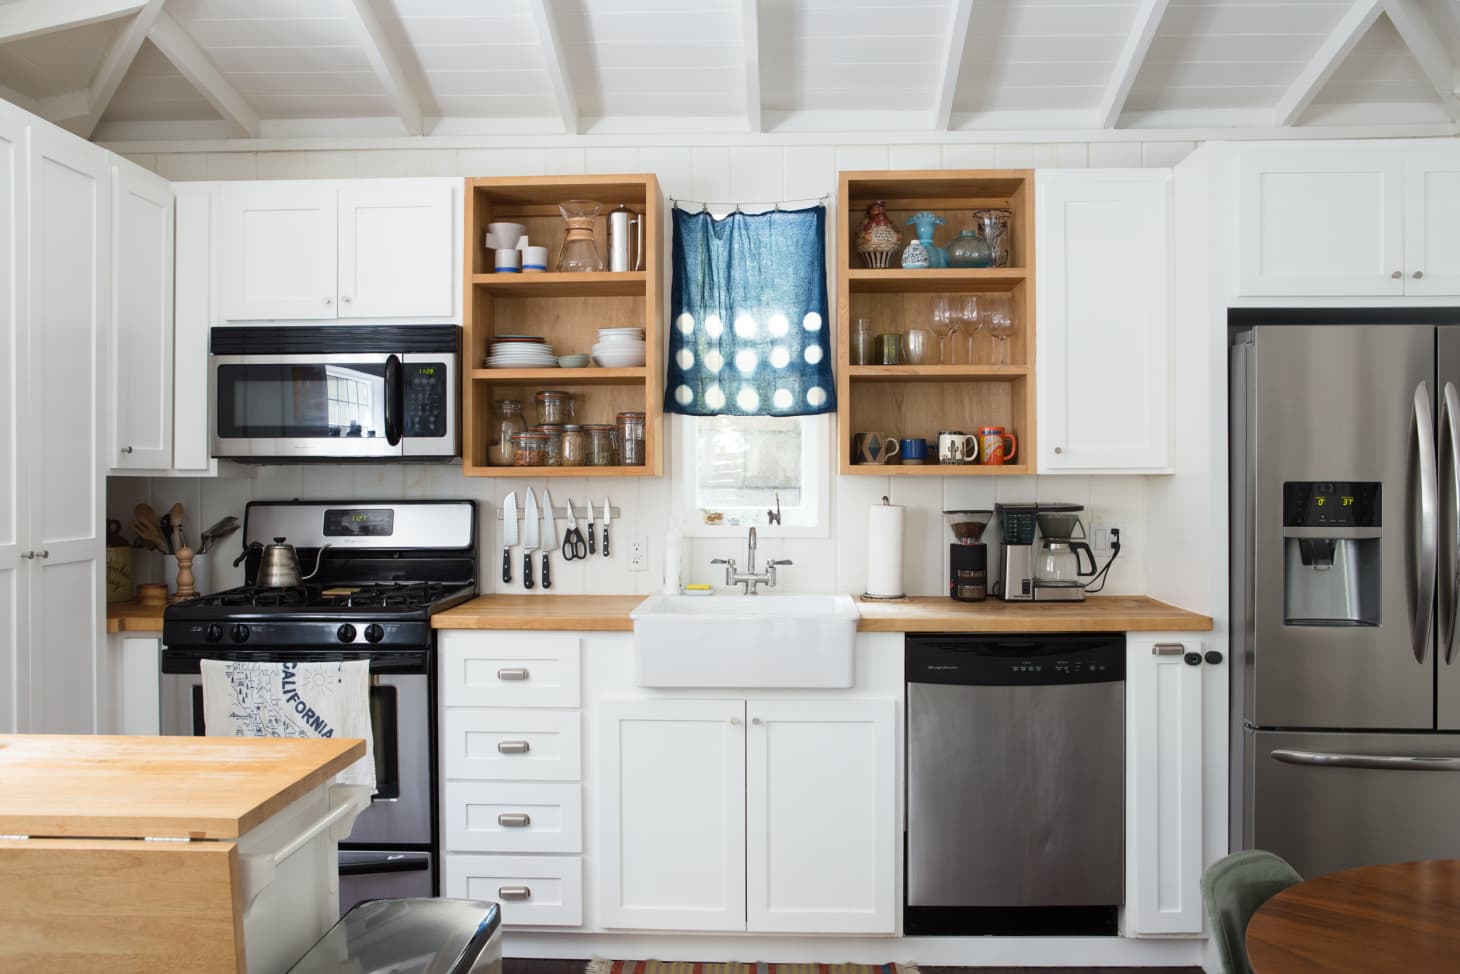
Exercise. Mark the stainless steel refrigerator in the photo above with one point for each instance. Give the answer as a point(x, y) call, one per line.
point(1344, 448)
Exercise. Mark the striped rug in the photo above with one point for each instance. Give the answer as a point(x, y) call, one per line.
point(599, 965)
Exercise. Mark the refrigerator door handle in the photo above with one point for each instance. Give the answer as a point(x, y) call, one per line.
point(1429, 528)
point(1449, 418)
point(1373, 762)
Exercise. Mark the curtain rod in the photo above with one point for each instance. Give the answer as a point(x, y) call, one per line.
point(738, 207)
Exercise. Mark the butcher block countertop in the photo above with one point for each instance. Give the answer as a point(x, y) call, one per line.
point(131, 617)
point(124, 787)
point(610, 613)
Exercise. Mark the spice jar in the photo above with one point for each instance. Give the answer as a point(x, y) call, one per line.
point(600, 444)
point(575, 446)
point(631, 439)
point(529, 449)
point(554, 408)
point(553, 455)
point(507, 416)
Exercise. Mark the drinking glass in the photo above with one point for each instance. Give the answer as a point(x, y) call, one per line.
point(917, 346)
point(997, 312)
point(974, 323)
point(864, 342)
point(945, 323)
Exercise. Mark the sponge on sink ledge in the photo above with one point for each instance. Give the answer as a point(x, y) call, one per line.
point(698, 590)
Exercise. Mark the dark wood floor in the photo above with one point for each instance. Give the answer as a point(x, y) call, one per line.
point(523, 965)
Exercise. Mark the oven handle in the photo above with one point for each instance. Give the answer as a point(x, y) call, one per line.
point(354, 863)
point(394, 400)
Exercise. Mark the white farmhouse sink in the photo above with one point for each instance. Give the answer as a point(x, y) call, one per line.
point(744, 641)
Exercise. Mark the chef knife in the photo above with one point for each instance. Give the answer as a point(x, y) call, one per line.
point(509, 535)
point(607, 518)
point(592, 545)
point(549, 538)
point(529, 538)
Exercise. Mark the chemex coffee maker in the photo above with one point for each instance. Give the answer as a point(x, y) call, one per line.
point(968, 556)
point(1042, 548)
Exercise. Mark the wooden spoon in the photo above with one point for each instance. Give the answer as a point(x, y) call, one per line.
point(177, 531)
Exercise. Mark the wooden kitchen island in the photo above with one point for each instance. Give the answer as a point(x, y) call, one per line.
point(203, 854)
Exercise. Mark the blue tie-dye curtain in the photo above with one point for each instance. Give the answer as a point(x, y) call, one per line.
point(749, 331)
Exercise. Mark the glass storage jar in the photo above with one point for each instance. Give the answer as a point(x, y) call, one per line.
point(553, 454)
point(507, 416)
point(575, 446)
point(554, 408)
point(529, 449)
point(600, 444)
point(631, 439)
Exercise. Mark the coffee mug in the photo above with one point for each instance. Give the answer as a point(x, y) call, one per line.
point(956, 446)
point(509, 261)
point(999, 447)
point(874, 448)
point(534, 259)
point(915, 451)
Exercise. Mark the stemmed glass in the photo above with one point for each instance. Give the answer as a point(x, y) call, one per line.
point(945, 323)
point(997, 313)
point(973, 320)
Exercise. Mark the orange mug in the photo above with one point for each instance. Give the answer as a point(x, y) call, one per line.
point(997, 446)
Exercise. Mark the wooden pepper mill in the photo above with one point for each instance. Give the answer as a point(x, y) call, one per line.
point(185, 588)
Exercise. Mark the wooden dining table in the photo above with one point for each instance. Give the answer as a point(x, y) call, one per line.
point(1401, 916)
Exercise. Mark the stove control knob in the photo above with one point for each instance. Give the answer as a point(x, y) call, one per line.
point(346, 633)
point(374, 633)
point(240, 633)
point(214, 633)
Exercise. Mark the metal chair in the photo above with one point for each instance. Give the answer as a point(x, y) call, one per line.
point(1232, 889)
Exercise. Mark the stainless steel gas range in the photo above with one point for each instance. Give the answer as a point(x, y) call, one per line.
point(382, 570)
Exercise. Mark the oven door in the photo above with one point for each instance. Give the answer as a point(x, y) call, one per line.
point(400, 719)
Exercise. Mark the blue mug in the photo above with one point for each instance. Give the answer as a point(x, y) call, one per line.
point(915, 451)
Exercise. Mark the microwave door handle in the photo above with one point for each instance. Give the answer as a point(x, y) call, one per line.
point(1449, 418)
point(1424, 428)
point(394, 400)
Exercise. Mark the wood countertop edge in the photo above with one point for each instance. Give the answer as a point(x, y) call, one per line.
point(283, 799)
point(131, 617)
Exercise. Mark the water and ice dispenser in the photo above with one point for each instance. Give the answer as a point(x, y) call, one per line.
point(1331, 539)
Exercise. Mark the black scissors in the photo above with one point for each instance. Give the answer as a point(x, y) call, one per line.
point(574, 547)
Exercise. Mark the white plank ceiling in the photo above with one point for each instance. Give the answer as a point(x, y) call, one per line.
point(150, 70)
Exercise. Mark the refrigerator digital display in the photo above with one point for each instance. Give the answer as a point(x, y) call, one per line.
point(1330, 504)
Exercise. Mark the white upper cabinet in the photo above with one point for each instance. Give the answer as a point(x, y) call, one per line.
point(300, 251)
point(1344, 223)
point(140, 431)
point(1104, 298)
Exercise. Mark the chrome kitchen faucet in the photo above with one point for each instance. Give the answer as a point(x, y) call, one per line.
point(750, 579)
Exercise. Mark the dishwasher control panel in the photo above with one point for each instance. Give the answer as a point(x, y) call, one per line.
point(1000, 661)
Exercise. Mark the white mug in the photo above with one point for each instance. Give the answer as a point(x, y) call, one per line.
point(509, 262)
point(534, 259)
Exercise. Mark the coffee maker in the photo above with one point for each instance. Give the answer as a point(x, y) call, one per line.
point(968, 556)
point(1019, 525)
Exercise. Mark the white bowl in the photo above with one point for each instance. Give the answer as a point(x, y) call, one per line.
point(617, 358)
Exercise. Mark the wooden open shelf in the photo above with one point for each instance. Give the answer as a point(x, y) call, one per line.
point(566, 309)
point(921, 400)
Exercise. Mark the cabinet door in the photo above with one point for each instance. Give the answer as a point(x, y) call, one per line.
point(14, 422)
point(193, 298)
point(1431, 230)
point(1163, 815)
point(69, 298)
point(1104, 256)
point(1320, 223)
point(395, 251)
point(278, 252)
point(808, 871)
point(672, 829)
point(140, 432)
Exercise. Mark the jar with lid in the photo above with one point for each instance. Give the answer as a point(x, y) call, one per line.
point(507, 417)
point(600, 444)
point(553, 455)
point(631, 439)
point(529, 449)
point(554, 407)
point(575, 446)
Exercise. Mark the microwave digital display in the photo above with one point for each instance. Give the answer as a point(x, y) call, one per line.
point(359, 522)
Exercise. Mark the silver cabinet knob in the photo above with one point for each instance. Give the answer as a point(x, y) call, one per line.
point(513, 747)
point(514, 892)
point(27, 555)
point(126, 449)
point(1059, 449)
point(756, 721)
point(345, 298)
point(329, 300)
point(1418, 275)
point(734, 721)
point(1397, 275)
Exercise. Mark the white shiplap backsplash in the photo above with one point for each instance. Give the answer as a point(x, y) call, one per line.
point(751, 173)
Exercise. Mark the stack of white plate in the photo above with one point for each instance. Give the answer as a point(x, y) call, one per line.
point(521, 352)
point(620, 348)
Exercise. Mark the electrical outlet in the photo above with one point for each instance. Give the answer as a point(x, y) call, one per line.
point(1100, 534)
point(638, 553)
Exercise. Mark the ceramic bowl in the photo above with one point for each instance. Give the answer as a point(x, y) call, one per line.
point(617, 358)
point(572, 361)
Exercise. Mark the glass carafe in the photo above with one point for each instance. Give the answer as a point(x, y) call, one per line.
point(1058, 562)
point(580, 250)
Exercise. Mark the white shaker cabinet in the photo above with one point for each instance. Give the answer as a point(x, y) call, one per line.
point(15, 408)
point(1432, 223)
point(1104, 297)
point(395, 247)
point(278, 251)
point(140, 435)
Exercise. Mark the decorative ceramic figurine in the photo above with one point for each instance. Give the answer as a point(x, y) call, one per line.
point(878, 239)
point(915, 257)
point(926, 224)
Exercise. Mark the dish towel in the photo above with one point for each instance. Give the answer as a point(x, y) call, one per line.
point(247, 698)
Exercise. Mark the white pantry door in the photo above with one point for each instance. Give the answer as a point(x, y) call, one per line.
point(14, 412)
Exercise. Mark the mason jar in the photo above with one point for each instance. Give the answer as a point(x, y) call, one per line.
point(529, 449)
point(575, 446)
point(631, 439)
point(600, 444)
point(553, 452)
point(554, 407)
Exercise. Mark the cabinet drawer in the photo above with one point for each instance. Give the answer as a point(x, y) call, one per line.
point(513, 745)
point(509, 670)
point(532, 890)
point(499, 816)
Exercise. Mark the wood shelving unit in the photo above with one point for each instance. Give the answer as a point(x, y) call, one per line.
point(567, 310)
point(921, 400)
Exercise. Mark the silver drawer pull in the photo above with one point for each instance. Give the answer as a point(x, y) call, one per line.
point(1168, 649)
point(516, 673)
point(513, 747)
point(515, 892)
point(514, 820)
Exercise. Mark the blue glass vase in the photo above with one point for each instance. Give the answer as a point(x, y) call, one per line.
point(968, 249)
point(926, 223)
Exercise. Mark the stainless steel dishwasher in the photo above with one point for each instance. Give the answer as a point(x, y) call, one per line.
point(1015, 784)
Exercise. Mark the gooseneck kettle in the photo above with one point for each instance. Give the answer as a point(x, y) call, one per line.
point(279, 563)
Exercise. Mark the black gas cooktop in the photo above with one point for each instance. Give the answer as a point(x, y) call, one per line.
point(427, 596)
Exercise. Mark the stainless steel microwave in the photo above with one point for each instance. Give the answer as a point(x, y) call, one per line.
point(326, 392)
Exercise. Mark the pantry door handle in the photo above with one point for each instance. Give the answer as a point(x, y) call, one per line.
point(514, 820)
point(513, 747)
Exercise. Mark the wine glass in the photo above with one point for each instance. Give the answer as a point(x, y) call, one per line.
point(997, 312)
point(974, 322)
point(945, 323)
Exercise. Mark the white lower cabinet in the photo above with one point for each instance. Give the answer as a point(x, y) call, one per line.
point(533, 891)
point(760, 815)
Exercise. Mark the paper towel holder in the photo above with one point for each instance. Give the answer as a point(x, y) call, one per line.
point(867, 596)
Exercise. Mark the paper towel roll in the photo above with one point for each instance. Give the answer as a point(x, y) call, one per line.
point(884, 551)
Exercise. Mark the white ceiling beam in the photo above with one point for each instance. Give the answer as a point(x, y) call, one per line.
point(108, 78)
point(1419, 35)
point(1330, 54)
point(750, 30)
point(193, 64)
point(555, 63)
point(31, 18)
point(387, 65)
point(960, 12)
point(1128, 64)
